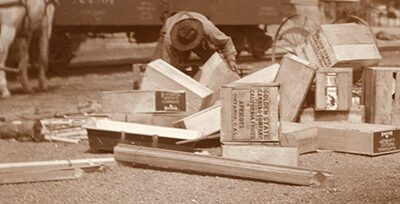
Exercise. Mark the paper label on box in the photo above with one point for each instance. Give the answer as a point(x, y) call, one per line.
point(250, 114)
point(321, 49)
point(331, 91)
point(170, 101)
point(386, 141)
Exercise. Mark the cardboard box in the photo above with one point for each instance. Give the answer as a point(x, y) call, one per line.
point(333, 89)
point(141, 101)
point(160, 75)
point(295, 77)
point(215, 73)
point(358, 138)
point(381, 95)
point(340, 44)
point(250, 112)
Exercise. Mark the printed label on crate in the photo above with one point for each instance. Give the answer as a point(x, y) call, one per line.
point(331, 79)
point(331, 91)
point(250, 114)
point(386, 141)
point(321, 49)
point(170, 101)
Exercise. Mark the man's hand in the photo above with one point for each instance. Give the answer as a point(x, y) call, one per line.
point(234, 67)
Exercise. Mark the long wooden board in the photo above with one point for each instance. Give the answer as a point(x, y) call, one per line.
point(182, 161)
point(165, 119)
point(160, 75)
point(295, 77)
point(36, 176)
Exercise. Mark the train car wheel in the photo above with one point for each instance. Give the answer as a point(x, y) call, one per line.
point(291, 32)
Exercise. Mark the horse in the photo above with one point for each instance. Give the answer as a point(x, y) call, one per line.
point(26, 25)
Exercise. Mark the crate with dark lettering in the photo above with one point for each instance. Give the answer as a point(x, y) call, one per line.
point(250, 112)
point(333, 89)
point(340, 44)
point(381, 95)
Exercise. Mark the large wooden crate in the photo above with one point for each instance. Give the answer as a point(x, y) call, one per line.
point(160, 75)
point(338, 44)
point(333, 89)
point(295, 77)
point(250, 112)
point(142, 101)
point(381, 95)
point(215, 73)
point(358, 138)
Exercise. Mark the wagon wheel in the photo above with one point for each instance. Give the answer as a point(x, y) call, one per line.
point(292, 32)
point(355, 19)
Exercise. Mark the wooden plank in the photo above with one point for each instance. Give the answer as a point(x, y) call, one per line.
point(136, 73)
point(303, 136)
point(215, 73)
point(159, 75)
point(340, 44)
point(356, 114)
point(188, 162)
point(250, 112)
point(295, 77)
point(207, 121)
point(56, 164)
point(334, 89)
point(380, 95)
point(358, 138)
point(264, 75)
point(142, 101)
point(36, 176)
point(262, 153)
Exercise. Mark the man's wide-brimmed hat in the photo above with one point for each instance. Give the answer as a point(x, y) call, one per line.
point(187, 34)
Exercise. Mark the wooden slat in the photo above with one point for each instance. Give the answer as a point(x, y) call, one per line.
point(295, 77)
point(215, 73)
point(182, 161)
point(56, 164)
point(36, 176)
point(157, 119)
point(159, 75)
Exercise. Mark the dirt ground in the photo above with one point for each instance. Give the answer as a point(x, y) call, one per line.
point(358, 179)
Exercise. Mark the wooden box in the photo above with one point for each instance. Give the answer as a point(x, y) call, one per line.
point(207, 121)
point(356, 114)
point(333, 89)
point(105, 134)
point(340, 44)
point(250, 112)
point(215, 73)
point(262, 153)
point(142, 101)
point(160, 75)
point(295, 77)
point(264, 75)
point(301, 135)
point(381, 95)
point(358, 138)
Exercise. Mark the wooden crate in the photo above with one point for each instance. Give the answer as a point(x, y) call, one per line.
point(301, 135)
point(356, 114)
point(141, 101)
point(333, 89)
point(250, 112)
point(264, 75)
point(215, 73)
point(160, 75)
point(339, 44)
point(295, 77)
point(381, 95)
point(358, 138)
point(207, 121)
point(262, 153)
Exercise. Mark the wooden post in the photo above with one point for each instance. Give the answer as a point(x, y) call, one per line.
point(189, 162)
